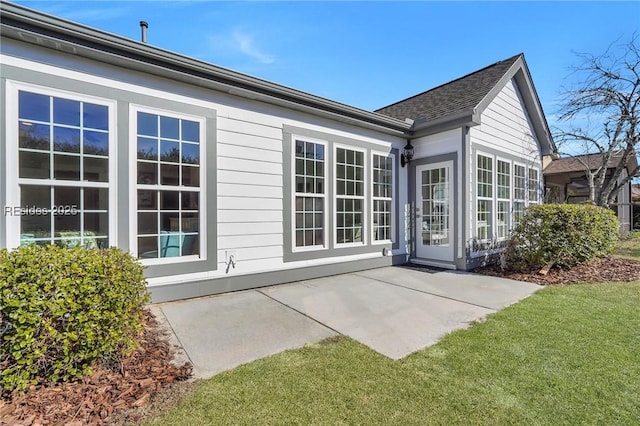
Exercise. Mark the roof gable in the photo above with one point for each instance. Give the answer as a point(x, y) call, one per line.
point(462, 101)
point(455, 97)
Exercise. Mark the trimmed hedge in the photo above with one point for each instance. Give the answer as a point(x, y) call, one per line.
point(567, 234)
point(61, 309)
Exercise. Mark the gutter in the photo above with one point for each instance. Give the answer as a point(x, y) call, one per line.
point(424, 126)
point(38, 28)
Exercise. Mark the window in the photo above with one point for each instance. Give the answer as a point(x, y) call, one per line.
point(485, 198)
point(382, 197)
point(310, 194)
point(63, 170)
point(533, 186)
point(349, 196)
point(519, 192)
point(504, 198)
point(169, 197)
point(435, 207)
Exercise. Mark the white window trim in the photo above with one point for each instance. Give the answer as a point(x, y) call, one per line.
point(508, 200)
point(490, 199)
point(11, 154)
point(295, 194)
point(374, 198)
point(133, 186)
point(526, 196)
point(365, 189)
point(538, 189)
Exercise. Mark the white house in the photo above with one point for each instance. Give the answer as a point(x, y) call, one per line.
point(220, 181)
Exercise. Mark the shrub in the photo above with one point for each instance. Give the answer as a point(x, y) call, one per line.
point(61, 309)
point(567, 234)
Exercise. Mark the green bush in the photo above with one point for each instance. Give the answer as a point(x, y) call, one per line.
point(567, 234)
point(61, 309)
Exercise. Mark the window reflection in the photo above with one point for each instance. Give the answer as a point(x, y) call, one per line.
point(58, 139)
point(168, 152)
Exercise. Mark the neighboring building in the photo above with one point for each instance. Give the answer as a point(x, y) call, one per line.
point(220, 181)
point(566, 181)
point(635, 200)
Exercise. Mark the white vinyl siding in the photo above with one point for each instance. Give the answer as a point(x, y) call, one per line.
point(382, 195)
point(506, 129)
point(505, 126)
point(350, 195)
point(250, 190)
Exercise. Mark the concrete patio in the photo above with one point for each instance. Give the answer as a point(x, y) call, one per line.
point(394, 311)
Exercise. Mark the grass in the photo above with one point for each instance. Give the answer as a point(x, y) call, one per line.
point(566, 355)
point(630, 247)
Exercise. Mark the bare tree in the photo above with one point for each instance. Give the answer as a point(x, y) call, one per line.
point(600, 115)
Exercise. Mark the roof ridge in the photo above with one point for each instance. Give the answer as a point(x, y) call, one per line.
point(510, 59)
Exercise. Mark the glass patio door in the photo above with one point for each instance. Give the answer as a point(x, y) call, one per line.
point(434, 207)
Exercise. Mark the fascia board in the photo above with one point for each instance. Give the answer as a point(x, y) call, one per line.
point(96, 44)
point(423, 127)
point(520, 72)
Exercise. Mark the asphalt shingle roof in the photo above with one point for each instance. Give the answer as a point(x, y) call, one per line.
point(577, 163)
point(457, 96)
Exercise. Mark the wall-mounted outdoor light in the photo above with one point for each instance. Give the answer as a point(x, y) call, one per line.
point(407, 154)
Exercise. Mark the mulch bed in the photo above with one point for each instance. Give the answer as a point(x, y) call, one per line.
point(110, 392)
point(121, 394)
point(609, 269)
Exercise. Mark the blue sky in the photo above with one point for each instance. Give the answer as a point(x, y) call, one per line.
point(368, 54)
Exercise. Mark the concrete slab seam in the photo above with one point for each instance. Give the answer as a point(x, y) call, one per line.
point(300, 312)
point(176, 336)
point(426, 292)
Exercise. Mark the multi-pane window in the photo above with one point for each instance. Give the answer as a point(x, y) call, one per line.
point(382, 197)
point(349, 196)
point(519, 192)
point(485, 197)
point(504, 180)
point(533, 186)
point(435, 207)
point(168, 185)
point(502, 216)
point(516, 186)
point(485, 176)
point(503, 210)
point(483, 224)
point(309, 194)
point(63, 170)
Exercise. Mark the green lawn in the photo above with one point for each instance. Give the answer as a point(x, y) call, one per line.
point(566, 355)
point(630, 247)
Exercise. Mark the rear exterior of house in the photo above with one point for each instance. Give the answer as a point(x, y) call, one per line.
point(484, 138)
point(219, 181)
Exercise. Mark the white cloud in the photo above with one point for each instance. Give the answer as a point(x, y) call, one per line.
point(229, 47)
point(245, 42)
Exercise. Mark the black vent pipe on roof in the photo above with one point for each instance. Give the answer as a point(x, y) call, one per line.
point(143, 26)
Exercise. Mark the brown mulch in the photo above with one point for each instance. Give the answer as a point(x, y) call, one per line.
point(108, 393)
point(609, 269)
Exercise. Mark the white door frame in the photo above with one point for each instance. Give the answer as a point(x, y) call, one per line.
point(441, 245)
